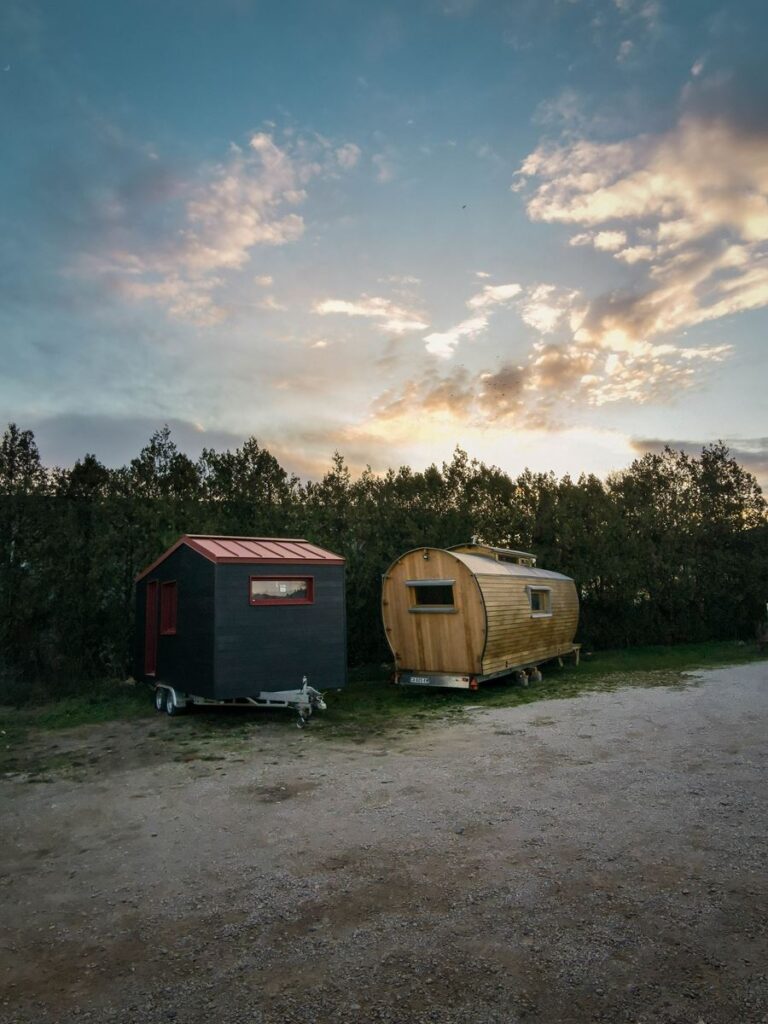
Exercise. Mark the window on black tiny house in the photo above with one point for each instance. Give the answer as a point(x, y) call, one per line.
point(434, 595)
point(169, 603)
point(541, 601)
point(282, 590)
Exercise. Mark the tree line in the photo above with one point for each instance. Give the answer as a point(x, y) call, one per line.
point(672, 549)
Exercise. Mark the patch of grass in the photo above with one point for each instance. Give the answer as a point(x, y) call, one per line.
point(104, 703)
point(371, 703)
point(678, 657)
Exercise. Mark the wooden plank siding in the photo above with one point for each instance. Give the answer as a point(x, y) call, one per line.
point(433, 641)
point(514, 636)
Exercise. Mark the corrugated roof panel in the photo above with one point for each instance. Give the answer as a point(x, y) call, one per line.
point(267, 550)
point(277, 549)
point(301, 550)
point(237, 548)
point(481, 565)
point(316, 552)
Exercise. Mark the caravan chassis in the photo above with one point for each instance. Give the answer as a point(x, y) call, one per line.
point(304, 700)
point(528, 672)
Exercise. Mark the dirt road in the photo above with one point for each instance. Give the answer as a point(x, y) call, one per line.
point(597, 859)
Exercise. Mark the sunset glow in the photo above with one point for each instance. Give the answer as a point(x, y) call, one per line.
point(387, 229)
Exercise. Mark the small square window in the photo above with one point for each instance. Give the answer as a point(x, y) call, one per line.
point(434, 595)
point(541, 601)
point(169, 603)
point(431, 595)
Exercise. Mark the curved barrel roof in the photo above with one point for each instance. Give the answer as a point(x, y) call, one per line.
point(482, 565)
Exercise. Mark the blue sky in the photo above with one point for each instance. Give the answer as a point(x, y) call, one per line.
point(537, 230)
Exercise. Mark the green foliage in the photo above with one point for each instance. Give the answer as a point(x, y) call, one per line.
point(672, 550)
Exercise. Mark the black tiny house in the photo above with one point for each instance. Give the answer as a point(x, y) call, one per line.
point(232, 617)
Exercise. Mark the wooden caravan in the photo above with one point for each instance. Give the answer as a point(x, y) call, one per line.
point(458, 617)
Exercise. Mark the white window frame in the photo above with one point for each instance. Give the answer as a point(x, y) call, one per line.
point(540, 590)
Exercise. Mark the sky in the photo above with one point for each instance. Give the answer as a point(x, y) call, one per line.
point(535, 229)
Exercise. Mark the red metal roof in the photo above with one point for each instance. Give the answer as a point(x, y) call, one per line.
point(251, 550)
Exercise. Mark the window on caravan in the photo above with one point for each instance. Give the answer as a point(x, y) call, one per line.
point(282, 590)
point(541, 601)
point(431, 595)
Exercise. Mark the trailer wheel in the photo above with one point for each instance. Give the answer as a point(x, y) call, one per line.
point(170, 706)
point(159, 698)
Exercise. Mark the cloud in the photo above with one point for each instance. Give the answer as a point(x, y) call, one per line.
point(443, 343)
point(115, 440)
point(243, 205)
point(625, 49)
point(494, 295)
point(184, 299)
point(689, 210)
point(394, 319)
point(606, 241)
point(565, 111)
point(699, 178)
point(233, 208)
point(385, 168)
point(405, 280)
point(348, 156)
point(270, 305)
point(545, 307)
point(264, 280)
point(426, 395)
point(481, 399)
point(636, 254)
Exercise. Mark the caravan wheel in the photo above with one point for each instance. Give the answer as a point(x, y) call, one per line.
point(159, 698)
point(170, 706)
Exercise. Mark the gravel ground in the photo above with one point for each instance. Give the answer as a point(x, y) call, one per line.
point(596, 859)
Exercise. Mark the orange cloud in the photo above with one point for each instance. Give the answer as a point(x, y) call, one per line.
point(241, 204)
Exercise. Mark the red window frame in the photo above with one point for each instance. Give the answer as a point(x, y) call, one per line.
point(169, 608)
point(309, 599)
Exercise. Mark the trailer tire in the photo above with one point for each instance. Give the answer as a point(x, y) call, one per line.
point(170, 704)
point(159, 698)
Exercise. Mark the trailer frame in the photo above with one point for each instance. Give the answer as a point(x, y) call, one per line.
point(304, 700)
point(525, 673)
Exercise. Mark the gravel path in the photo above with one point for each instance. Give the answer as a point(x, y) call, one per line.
point(596, 859)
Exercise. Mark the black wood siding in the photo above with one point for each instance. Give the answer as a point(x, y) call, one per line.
point(186, 660)
point(271, 647)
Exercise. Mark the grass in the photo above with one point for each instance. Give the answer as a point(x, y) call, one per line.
point(369, 704)
point(107, 702)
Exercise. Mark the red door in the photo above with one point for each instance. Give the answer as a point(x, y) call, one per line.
point(150, 630)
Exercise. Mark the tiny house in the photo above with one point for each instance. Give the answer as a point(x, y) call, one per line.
point(241, 619)
point(460, 616)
